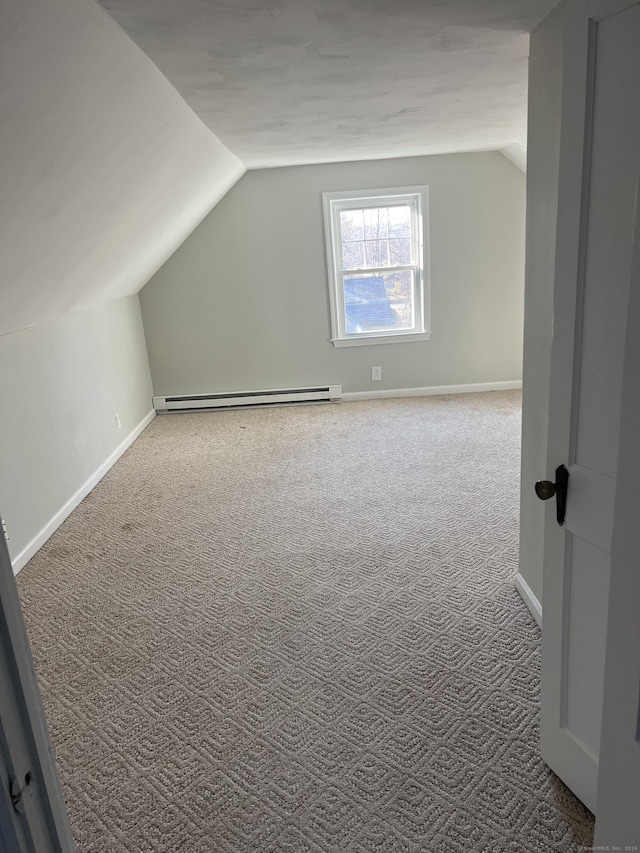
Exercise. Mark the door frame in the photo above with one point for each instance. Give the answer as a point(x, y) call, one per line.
point(39, 822)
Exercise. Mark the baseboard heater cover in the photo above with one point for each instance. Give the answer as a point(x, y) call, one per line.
point(245, 399)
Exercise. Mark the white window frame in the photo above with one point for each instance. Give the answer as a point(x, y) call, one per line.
point(417, 197)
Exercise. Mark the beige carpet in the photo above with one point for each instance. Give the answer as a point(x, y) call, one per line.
point(296, 630)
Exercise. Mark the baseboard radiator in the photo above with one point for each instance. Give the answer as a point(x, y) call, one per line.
point(246, 399)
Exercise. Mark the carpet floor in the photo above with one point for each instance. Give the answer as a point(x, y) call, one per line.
point(296, 630)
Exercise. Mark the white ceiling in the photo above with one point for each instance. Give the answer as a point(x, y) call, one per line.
point(104, 169)
point(282, 82)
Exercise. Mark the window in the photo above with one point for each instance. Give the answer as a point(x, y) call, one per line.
point(376, 245)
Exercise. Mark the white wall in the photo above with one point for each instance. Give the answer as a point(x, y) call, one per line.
point(104, 169)
point(543, 152)
point(243, 303)
point(61, 385)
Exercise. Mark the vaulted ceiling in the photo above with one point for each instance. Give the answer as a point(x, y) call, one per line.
point(307, 81)
point(104, 170)
point(115, 146)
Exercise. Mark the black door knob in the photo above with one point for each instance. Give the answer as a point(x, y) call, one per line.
point(545, 489)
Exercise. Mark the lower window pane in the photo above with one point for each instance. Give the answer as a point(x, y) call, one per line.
point(379, 303)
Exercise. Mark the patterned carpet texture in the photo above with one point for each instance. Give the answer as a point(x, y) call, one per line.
point(296, 630)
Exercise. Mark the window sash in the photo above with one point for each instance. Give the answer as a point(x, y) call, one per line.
point(374, 270)
point(410, 201)
point(416, 327)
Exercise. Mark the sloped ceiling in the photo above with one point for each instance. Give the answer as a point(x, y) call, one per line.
point(104, 170)
point(110, 156)
point(306, 81)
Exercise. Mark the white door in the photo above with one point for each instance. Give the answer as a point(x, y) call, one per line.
point(596, 224)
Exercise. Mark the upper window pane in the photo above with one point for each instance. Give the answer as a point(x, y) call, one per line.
point(376, 237)
point(353, 255)
point(376, 223)
point(351, 225)
point(400, 221)
point(400, 252)
point(376, 253)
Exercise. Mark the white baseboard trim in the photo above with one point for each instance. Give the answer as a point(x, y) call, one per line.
point(21, 559)
point(529, 599)
point(433, 390)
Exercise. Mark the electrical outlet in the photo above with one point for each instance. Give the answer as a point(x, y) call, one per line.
point(118, 422)
point(4, 529)
point(376, 373)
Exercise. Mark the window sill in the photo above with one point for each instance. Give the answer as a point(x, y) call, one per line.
point(369, 340)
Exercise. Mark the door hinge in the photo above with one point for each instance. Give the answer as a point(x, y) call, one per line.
point(18, 788)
